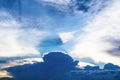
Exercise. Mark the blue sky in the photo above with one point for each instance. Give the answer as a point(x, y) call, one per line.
point(88, 31)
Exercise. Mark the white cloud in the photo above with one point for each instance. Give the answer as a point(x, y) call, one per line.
point(83, 64)
point(66, 36)
point(5, 74)
point(95, 40)
point(15, 40)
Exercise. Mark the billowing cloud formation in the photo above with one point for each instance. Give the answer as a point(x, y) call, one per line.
point(60, 66)
point(55, 65)
point(101, 35)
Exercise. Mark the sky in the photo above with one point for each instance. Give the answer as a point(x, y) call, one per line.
point(88, 30)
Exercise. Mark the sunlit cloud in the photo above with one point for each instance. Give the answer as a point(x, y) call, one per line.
point(66, 36)
point(12, 63)
point(98, 34)
point(15, 40)
point(83, 64)
point(5, 74)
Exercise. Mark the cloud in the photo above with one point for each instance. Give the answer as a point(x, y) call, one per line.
point(5, 74)
point(23, 38)
point(58, 1)
point(15, 40)
point(66, 36)
point(38, 22)
point(13, 63)
point(55, 65)
point(83, 64)
point(98, 34)
point(60, 66)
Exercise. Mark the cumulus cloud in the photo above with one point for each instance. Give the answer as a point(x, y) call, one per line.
point(60, 66)
point(55, 65)
point(99, 36)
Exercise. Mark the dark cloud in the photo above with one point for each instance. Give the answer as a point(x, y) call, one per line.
point(56, 65)
point(60, 66)
point(81, 5)
point(51, 43)
point(91, 67)
point(111, 66)
point(2, 61)
point(115, 51)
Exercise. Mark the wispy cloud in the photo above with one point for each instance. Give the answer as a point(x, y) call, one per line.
point(99, 36)
point(15, 40)
point(58, 1)
point(12, 63)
